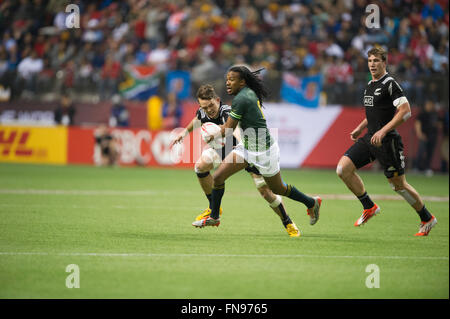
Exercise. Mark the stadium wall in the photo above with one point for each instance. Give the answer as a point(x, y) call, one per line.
point(313, 138)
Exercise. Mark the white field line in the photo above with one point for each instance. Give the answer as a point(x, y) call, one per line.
point(213, 255)
point(159, 193)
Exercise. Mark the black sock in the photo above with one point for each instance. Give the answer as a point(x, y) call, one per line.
point(366, 201)
point(285, 217)
point(208, 196)
point(216, 199)
point(424, 214)
point(295, 194)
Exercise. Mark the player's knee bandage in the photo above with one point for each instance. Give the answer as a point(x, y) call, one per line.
point(276, 202)
point(407, 196)
point(259, 181)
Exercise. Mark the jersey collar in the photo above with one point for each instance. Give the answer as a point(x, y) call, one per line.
point(379, 78)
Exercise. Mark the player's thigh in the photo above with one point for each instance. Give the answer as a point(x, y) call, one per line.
point(359, 154)
point(230, 165)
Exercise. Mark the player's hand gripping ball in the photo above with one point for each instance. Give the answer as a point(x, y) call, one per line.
point(209, 129)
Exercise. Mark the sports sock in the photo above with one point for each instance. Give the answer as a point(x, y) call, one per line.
point(424, 214)
point(285, 218)
point(216, 199)
point(295, 194)
point(366, 201)
point(208, 196)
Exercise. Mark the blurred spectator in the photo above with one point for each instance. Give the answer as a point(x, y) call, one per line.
point(143, 53)
point(65, 111)
point(432, 9)
point(156, 15)
point(119, 114)
point(159, 57)
point(83, 75)
point(444, 145)
point(106, 152)
point(28, 70)
point(110, 77)
point(3, 61)
point(171, 112)
point(440, 60)
point(426, 127)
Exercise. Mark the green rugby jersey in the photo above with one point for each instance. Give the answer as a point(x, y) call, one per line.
point(246, 109)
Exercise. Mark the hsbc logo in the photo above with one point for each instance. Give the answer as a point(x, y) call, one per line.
point(368, 100)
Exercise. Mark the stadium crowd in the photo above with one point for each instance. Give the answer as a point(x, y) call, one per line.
point(206, 37)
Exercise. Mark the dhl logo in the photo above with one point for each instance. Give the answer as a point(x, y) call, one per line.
point(16, 141)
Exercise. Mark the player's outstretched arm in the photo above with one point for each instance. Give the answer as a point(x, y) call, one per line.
point(402, 115)
point(194, 123)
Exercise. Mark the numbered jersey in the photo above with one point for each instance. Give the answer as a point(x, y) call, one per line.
point(381, 99)
point(246, 109)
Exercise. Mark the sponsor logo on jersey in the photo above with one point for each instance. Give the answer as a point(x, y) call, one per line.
point(368, 100)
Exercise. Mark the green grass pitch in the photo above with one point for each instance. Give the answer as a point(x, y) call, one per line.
point(129, 232)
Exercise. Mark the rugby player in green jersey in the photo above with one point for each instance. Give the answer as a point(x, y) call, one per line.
point(212, 110)
point(257, 147)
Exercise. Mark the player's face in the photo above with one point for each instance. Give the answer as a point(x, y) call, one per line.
point(377, 66)
point(211, 107)
point(234, 83)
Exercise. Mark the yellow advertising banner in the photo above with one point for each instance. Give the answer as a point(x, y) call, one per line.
point(28, 144)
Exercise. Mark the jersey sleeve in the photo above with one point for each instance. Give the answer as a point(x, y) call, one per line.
point(225, 112)
point(238, 108)
point(396, 93)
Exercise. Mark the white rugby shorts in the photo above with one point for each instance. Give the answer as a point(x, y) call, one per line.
point(209, 155)
point(267, 162)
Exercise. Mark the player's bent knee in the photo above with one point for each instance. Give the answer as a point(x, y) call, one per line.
point(339, 171)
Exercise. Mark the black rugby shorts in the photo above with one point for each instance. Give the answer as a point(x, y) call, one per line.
point(389, 154)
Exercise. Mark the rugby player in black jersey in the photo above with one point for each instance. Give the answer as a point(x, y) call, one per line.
point(212, 110)
point(386, 108)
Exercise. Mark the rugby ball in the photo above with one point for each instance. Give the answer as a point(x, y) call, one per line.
point(210, 128)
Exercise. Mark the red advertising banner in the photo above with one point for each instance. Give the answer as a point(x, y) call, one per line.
point(136, 147)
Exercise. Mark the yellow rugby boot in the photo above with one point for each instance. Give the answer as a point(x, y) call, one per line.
point(206, 213)
point(292, 230)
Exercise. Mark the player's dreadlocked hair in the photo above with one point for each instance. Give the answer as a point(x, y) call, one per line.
point(252, 80)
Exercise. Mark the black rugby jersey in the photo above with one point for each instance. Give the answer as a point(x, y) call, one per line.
point(379, 97)
point(224, 112)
